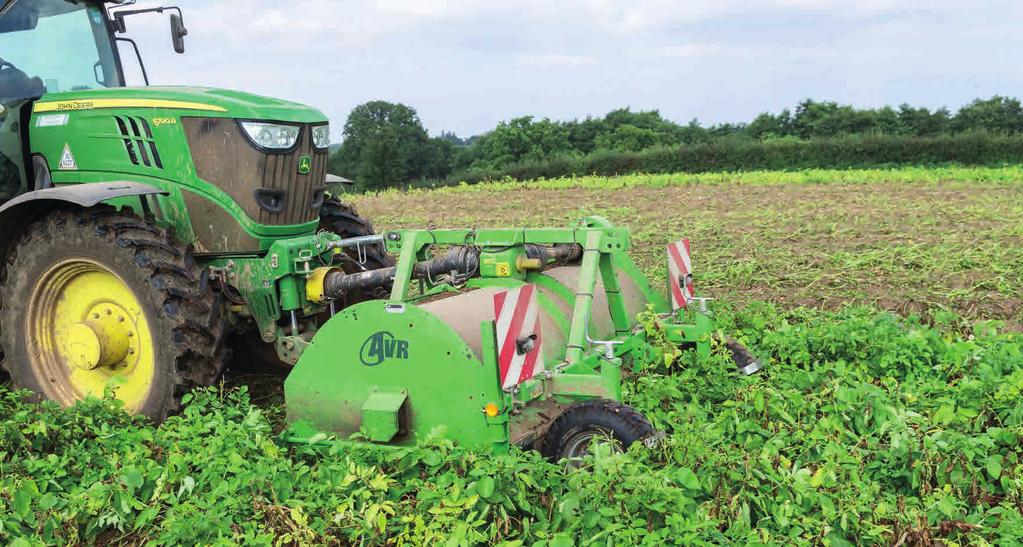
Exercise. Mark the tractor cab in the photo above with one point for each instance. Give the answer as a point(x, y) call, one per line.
point(51, 46)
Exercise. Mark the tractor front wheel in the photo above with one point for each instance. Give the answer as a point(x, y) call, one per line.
point(95, 300)
point(573, 433)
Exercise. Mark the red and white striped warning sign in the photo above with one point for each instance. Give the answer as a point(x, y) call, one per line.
point(680, 274)
point(519, 341)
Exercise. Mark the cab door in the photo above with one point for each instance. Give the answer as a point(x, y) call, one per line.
point(13, 172)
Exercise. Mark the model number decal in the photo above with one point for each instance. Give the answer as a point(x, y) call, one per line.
point(165, 121)
point(381, 346)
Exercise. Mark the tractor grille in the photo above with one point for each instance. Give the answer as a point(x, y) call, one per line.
point(268, 186)
point(303, 194)
point(138, 141)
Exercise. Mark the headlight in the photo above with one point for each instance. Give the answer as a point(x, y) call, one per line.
point(321, 136)
point(271, 135)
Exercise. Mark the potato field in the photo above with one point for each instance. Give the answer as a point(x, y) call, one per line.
point(886, 304)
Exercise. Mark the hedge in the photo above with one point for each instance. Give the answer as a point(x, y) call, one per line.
point(738, 154)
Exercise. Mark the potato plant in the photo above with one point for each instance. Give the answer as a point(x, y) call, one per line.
point(865, 428)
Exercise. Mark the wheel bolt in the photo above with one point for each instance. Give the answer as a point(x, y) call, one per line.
point(120, 318)
point(95, 316)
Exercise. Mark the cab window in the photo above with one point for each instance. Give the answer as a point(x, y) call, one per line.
point(56, 44)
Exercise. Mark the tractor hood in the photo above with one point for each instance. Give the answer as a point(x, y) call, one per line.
point(210, 101)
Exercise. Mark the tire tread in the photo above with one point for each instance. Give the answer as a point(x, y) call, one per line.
point(190, 310)
point(625, 422)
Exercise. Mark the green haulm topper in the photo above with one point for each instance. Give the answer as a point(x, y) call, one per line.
point(508, 336)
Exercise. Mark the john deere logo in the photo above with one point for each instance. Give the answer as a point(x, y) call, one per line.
point(382, 346)
point(305, 164)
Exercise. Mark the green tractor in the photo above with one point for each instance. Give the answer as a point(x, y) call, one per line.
point(130, 214)
point(141, 226)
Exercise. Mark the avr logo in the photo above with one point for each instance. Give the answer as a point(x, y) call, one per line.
point(382, 346)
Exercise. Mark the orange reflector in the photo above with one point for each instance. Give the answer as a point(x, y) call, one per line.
point(491, 410)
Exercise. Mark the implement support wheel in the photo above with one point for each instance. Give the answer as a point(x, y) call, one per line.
point(96, 299)
point(602, 420)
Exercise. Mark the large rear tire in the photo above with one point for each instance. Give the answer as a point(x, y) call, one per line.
point(100, 299)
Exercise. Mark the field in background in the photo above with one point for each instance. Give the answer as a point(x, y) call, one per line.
point(907, 240)
point(865, 428)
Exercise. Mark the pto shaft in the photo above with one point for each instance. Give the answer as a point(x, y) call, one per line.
point(459, 261)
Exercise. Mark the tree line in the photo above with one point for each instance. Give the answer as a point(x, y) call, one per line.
point(385, 144)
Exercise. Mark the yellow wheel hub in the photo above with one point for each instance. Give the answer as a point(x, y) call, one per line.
point(87, 331)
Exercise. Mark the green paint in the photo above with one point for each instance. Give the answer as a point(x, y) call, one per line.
point(232, 104)
point(378, 361)
point(137, 134)
point(446, 385)
point(380, 415)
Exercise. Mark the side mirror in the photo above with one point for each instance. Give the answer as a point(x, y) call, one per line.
point(178, 32)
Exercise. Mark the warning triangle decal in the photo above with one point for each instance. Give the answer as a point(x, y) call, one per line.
point(67, 160)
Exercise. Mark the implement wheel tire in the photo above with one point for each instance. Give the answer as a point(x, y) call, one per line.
point(342, 219)
point(571, 434)
point(96, 298)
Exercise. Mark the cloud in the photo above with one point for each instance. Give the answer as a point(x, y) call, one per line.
point(555, 60)
point(466, 64)
point(692, 50)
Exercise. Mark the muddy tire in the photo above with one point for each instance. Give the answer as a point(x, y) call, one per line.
point(571, 434)
point(91, 299)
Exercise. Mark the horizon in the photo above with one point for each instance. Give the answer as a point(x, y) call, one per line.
point(465, 66)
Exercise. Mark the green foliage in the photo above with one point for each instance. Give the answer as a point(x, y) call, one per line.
point(786, 153)
point(385, 145)
point(628, 138)
point(523, 139)
point(1004, 175)
point(1002, 114)
point(815, 119)
point(865, 428)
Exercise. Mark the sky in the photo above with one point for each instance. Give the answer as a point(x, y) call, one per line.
point(467, 65)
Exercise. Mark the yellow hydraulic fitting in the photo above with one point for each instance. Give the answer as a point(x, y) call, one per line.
point(314, 284)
